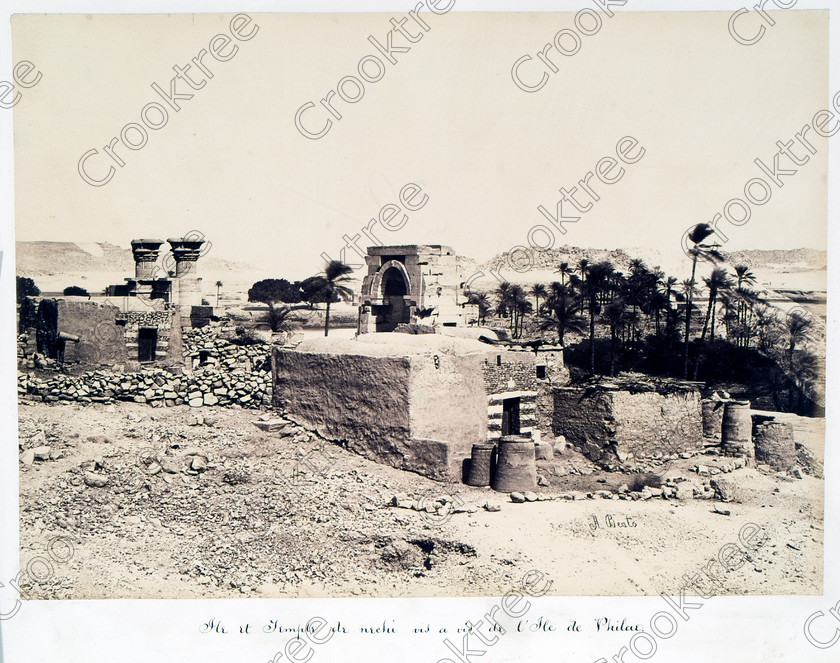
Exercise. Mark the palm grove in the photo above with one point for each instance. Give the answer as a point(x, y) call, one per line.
point(284, 297)
point(639, 320)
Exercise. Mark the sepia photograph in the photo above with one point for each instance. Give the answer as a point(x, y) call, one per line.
point(422, 303)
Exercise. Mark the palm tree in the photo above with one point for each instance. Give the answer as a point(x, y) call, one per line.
point(219, 284)
point(503, 296)
point(744, 276)
point(597, 278)
point(538, 290)
point(329, 287)
point(561, 311)
point(709, 252)
point(767, 325)
point(519, 305)
point(481, 300)
point(668, 290)
point(280, 318)
point(615, 315)
point(798, 327)
point(564, 271)
point(718, 280)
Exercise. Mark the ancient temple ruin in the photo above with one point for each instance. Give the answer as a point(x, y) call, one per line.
point(141, 321)
point(413, 284)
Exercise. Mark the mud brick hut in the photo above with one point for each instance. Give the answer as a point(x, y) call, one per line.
point(415, 402)
point(626, 420)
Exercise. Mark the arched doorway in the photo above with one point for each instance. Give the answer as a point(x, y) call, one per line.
point(394, 308)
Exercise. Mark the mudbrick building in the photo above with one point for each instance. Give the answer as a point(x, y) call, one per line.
point(416, 402)
point(141, 324)
point(631, 418)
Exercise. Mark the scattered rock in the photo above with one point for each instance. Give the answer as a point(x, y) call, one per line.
point(42, 453)
point(95, 480)
point(492, 506)
point(28, 457)
point(544, 451)
point(199, 463)
point(517, 497)
point(531, 496)
point(725, 489)
point(401, 554)
point(171, 465)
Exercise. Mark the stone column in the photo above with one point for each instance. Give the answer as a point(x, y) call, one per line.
point(186, 253)
point(145, 256)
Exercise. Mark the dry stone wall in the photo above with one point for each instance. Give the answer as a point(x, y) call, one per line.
point(217, 372)
point(157, 387)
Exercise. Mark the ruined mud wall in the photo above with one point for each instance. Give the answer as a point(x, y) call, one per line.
point(102, 340)
point(230, 374)
point(617, 426)
point(362, 400)
point(448, 412)
point(420, 412)
point(222, 353)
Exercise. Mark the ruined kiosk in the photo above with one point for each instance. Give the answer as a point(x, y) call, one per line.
point(412, 284)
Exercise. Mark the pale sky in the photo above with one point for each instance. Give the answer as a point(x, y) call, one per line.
point(447, 116)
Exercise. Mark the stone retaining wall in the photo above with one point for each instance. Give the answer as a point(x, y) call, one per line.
point(157, 387)
point(217, 372)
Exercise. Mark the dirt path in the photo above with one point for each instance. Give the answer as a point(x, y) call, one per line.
point(265, 515)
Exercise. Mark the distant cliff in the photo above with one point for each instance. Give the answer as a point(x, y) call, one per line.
point(53, 258)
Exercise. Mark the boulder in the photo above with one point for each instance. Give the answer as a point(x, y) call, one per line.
point(42, 453)
point(95, 480)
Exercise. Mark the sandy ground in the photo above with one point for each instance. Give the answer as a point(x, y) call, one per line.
point(271, 515)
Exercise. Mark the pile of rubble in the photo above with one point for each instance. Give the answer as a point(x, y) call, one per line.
point(157, 387)
point(204, 346)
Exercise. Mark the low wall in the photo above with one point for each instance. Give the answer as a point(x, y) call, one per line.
point(620, 426)
point(157, 387)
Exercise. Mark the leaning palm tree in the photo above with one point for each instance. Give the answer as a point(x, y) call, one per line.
point(698, 235)
point(219, 284)
point(329, 287)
